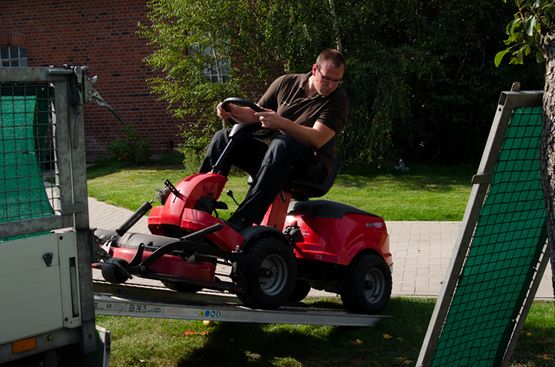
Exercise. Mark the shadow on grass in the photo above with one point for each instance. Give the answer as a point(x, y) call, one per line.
point(420, 178)
point(536, 342)
point(393, 341)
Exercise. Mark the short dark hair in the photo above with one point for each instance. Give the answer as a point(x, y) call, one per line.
point(333, 55)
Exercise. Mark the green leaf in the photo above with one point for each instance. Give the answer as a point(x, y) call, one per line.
point(499, 56)
point(540, 59)
point(517, 58)
point(527, 50)
point(549, 11)
point(513, 26)
point(531, 25)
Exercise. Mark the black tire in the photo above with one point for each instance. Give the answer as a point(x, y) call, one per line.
point(271, 274)
point(367, 285)
point(301, 290)
point(182, 286)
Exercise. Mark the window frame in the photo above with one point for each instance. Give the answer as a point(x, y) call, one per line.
point(13, 56)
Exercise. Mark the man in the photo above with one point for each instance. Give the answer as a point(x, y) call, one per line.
point(308, 110)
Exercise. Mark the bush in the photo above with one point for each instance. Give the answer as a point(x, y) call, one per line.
point(129, 149)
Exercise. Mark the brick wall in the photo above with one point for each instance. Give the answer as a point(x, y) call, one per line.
point(102, 35)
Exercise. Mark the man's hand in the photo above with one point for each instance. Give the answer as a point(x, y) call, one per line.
point(315, 136)
point(222, 113)
point(269, 119)
point(241, 114)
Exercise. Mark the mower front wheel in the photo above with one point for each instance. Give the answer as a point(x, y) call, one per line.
point(269, 273)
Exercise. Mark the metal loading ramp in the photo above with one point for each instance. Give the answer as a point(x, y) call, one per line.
point(500, 257)
point(119, 300)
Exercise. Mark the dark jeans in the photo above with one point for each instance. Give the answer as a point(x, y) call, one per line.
point(270, 165)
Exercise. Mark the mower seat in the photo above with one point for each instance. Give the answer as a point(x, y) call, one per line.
point(303, 189)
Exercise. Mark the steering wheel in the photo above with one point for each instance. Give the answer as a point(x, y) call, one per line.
point(261, 133)
point(241, 102)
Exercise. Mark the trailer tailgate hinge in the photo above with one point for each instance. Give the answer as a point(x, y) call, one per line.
point(481, 178)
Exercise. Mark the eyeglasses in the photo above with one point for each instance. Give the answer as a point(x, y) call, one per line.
point(328, 79)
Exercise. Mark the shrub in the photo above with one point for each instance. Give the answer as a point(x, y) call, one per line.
point(130, 148)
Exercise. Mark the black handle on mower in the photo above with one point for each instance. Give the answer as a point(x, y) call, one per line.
point(241, 102)
point(134, 218)
point(239, 131)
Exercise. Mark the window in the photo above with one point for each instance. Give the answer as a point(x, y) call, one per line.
point(13, 56)
point(217, 70)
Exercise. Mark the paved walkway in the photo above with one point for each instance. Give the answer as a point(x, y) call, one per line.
point(421, 251)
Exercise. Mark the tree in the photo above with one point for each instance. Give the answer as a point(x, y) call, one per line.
point(532, 32)
point(419, 74)
point(253, 40)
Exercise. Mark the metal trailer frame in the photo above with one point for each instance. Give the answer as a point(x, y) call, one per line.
point(508, 101)
point(70, 217)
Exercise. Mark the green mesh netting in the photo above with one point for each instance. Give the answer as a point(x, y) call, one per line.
point(22, 190)
point(506, 245)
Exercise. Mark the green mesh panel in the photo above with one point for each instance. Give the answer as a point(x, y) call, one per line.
point(22, 190)
point(506, 245)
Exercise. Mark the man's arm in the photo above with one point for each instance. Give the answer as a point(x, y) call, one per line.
point(315, 136)
point(246, 114)
point(238, 113)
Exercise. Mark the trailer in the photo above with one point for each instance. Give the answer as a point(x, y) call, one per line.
point(47, 307)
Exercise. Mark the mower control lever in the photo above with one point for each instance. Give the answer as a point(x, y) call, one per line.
point(172, 188)
point(185, 241)
point(147, 205)
point(230, 194)
point(200, 234)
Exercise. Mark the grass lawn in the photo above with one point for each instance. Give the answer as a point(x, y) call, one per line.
point(393, 341)
point(423, 193)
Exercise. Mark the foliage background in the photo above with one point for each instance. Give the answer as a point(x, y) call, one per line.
point(420, 74)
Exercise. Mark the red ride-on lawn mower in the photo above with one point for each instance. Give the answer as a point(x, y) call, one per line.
point(301, 244)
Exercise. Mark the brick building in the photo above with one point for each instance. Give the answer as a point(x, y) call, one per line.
point(101, 34)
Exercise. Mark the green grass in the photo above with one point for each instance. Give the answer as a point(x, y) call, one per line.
point(394, 341)
point(424, 193)
point(536, 343)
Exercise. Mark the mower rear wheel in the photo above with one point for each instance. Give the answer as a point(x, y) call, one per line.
point(367, 285)
point(182, 286)
point(270, 274)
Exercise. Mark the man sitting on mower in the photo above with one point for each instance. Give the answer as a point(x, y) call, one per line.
point(306, 112)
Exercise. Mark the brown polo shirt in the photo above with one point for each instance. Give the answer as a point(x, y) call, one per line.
point(286, 96)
